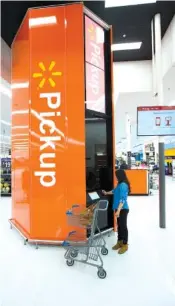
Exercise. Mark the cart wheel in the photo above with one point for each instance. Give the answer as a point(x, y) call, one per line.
point(70, 262)
point(25, 242)
point(104, 251)
point(74, 254)
point(102, 273)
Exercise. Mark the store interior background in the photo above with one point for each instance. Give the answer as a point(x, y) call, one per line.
point(133, 87)
point(32, 277)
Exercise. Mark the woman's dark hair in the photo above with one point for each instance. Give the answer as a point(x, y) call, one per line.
point(122, 178)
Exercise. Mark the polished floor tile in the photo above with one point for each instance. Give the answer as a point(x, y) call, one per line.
point(145, 276)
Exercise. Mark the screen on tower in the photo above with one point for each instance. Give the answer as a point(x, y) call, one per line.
point(94, 66)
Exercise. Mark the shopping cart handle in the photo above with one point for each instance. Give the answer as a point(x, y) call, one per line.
point(103, 205)
point(75, 206)
point(72, 233)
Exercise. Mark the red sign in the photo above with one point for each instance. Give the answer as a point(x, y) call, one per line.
point(94, 43)
point(95, 89)
point(155, 108)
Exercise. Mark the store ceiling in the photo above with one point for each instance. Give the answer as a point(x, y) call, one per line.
point(132, 21)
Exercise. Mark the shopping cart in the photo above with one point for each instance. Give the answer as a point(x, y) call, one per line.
point(78, 247)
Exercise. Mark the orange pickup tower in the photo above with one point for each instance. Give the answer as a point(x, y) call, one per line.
point(48, 119)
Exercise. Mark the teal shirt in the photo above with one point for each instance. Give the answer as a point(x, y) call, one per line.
point(120, 195)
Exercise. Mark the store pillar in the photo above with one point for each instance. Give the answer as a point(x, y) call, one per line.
point(128, 139)
point(158, 94)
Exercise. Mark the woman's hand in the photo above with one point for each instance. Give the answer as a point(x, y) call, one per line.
point(117, 214)
point(104, 192)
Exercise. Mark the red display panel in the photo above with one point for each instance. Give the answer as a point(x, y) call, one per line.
point(94, 43)
point(95, 89)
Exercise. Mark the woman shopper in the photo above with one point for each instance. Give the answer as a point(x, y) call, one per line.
point(121, 208)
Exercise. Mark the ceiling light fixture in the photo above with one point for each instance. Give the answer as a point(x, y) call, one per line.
point(126, 46)
point(116, 3)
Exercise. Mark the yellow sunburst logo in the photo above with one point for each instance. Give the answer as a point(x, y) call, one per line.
point(91, 31)
point(43, 77)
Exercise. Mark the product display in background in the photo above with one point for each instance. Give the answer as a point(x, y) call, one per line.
point(156, 121)
point(5, 176)
point(173, 169)
point(153, 182)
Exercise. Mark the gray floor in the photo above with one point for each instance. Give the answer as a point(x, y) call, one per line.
point(145, 276)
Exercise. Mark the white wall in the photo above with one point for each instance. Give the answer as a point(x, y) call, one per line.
point(5, 116)
point(169, 86)
point(5, 99)
point(5, 61)
point(133, 86)
point(128, 102)
point(168, 48)
point(132, 77)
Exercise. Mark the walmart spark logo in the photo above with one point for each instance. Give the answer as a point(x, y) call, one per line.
point(91, 31)
point(43, 74)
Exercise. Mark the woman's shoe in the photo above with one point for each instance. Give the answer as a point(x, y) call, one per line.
point(123, 249)
point(118, 245)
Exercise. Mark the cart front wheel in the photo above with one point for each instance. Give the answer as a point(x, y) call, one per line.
point(104, 251)
point(102, 273)
point(70, 262)
point(74, 254)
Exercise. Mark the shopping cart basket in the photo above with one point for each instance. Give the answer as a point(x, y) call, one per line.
point(78, 247)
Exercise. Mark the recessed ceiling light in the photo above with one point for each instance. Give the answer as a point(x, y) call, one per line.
point(126, 46)
point(115, 3)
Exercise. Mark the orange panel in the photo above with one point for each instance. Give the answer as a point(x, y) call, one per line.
point(56, 63)
point(139, 181)
point(49, 174)
point(75, 84)
point(20, 131)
